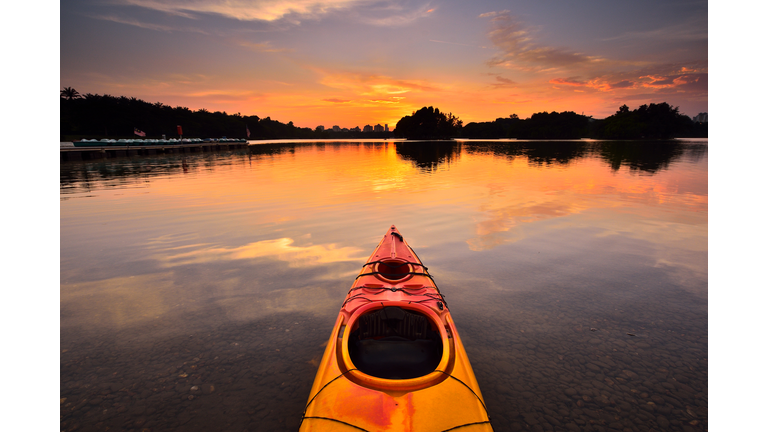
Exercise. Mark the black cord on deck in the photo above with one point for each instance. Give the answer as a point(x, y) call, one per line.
point(318, 392)
point(395, 276)
point(470, 389)
point(303, 416)
point(395, 264)
point(339, 421)
point(432, 296)
point(469, 424)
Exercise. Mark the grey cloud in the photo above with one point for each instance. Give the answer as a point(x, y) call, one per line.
point(515, 41)
point(622, 84)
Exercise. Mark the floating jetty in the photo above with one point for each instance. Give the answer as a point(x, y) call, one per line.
point(101, 149)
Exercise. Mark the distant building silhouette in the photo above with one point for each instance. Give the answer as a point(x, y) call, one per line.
point(701, 118)
point(367, 128)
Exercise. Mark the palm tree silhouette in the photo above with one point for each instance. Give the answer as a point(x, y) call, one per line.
point(69, 93)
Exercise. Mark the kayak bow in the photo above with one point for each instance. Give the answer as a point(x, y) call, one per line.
point(394, 361)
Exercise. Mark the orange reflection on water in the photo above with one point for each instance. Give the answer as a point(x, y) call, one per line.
point(530, 193)
point(325, 204)
point(503, 197)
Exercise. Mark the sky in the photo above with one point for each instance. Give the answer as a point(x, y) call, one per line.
point(357, 62)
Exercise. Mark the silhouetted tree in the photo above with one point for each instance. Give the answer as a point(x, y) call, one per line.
point(654, 121)
point(554, 125)
point(69, 93)
point(428, 123)
point(543, 125)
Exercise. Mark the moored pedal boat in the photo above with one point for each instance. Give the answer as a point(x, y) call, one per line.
point(394, 361)
point(152, 142)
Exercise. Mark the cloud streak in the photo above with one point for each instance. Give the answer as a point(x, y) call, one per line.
point(244, 10)
point(265, 47)
point(380, 13)
point(456, 43)
point(149, 26)
point(395, 14)
point(374, 85)
point(502, 82)
point(692, 29)
point(519, 50)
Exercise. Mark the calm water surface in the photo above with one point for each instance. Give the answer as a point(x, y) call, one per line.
point(198, 290)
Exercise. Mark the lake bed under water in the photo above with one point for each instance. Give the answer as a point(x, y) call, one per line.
point(198, 290)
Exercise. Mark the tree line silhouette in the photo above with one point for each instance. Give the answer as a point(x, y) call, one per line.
point(654, 121)
point(99, 116)
point(94, 116)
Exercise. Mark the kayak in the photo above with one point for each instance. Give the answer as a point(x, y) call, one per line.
point(394, 361)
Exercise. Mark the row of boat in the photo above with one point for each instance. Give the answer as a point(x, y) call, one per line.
point(394, 361)
point(146, 142)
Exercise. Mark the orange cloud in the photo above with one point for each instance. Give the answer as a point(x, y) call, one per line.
point(503, 83)
point(244, 10)
point(568, 81)
point(261, 46)
point(386, 14)
point(373, 85)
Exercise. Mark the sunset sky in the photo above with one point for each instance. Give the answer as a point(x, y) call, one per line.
point(357, 62)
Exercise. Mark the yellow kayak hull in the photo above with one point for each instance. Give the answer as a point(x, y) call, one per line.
point(395, 311)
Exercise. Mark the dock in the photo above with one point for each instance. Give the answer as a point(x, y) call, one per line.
point(113, 151)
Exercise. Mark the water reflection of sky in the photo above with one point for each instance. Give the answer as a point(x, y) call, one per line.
point(285, 227)
point(225, 271)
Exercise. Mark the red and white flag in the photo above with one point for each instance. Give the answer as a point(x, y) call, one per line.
point(139, 133)
point(247, 132)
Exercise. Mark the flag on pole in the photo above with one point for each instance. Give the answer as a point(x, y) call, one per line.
point(139, 133)
point(247, 132)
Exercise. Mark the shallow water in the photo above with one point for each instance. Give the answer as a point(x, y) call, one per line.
point(198, 290)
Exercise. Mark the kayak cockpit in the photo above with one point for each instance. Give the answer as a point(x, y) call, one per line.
point(395, 343)
point(396, 346)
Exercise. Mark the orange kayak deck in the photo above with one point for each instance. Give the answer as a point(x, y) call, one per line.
point(394, 361)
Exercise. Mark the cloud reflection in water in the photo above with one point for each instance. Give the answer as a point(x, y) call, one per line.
point(281, 249)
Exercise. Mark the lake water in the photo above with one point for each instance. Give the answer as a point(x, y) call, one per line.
point(198, 290)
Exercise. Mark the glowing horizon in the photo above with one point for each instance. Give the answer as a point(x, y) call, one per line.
point(356, 62)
